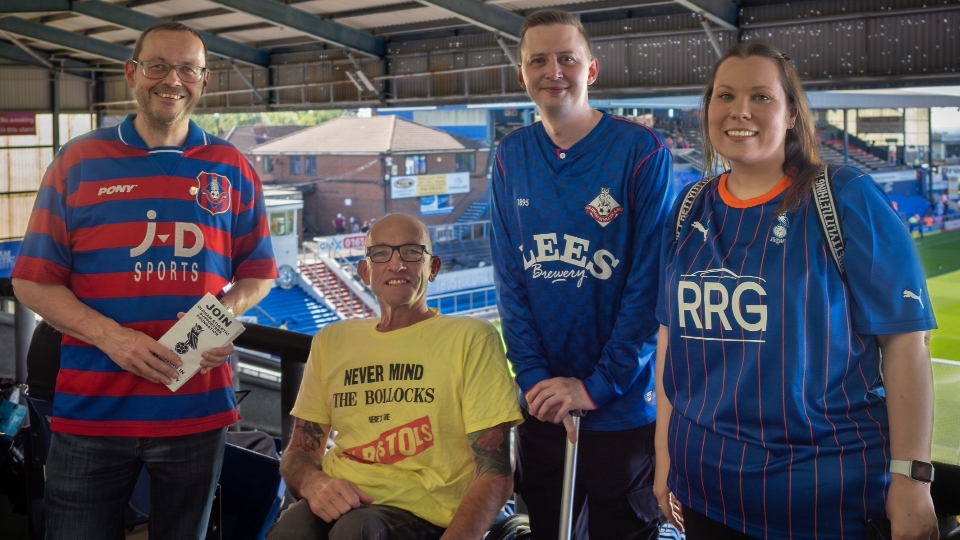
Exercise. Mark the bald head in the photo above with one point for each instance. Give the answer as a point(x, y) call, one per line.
point(402, 226)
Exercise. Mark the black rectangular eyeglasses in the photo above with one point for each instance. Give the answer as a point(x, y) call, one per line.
point(408, 252)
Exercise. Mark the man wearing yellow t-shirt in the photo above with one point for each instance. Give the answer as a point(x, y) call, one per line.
point(422, 405)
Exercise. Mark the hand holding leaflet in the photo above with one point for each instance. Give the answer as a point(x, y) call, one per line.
point(207, 325)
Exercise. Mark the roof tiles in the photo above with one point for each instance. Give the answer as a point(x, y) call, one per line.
point(352, 135)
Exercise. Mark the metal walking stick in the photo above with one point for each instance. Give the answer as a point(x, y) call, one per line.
point(569, 479)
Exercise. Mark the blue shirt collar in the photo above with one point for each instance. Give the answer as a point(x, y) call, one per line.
point(129, 136)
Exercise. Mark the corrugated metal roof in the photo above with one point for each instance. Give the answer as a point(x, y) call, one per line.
point(351, 135)
point(420, 54)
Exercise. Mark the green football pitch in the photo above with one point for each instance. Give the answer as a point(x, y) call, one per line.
point(940, 254)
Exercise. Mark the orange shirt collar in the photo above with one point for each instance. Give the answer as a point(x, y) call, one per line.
point(734, 202)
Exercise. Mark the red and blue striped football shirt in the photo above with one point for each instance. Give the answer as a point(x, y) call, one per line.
point(140, 234)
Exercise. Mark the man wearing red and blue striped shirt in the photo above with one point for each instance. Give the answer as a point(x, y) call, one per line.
point(133, 224)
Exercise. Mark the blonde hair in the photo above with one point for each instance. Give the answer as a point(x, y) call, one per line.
point(549, 18)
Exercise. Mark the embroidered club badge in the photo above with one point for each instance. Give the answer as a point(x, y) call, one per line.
point(604, 208)
point(214, 192)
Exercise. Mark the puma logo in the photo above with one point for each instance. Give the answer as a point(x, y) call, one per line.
point(910, 294)
point(701, 228)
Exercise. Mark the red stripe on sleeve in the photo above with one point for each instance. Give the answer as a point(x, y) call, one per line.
point(43, 221)
point(258, 269)
point(40, 270)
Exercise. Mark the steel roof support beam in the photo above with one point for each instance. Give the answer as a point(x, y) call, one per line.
point(250, 84)
point(28, 6)
point(37, 60)
point(310, 24)
point(723, 13)
point(25, 55)
point(70, 40)
point(507, 52)
point(713, 37)
point(202, 14)
point(141, 21)
point(490, 18)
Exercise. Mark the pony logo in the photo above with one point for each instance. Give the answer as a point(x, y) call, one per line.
point(191, 342)
point(213, 194)
point(604, 208)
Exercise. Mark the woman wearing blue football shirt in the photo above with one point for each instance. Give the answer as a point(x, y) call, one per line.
point(775, 415)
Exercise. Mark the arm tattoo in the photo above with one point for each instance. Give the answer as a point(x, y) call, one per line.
point(312, 437)
point(491, 451)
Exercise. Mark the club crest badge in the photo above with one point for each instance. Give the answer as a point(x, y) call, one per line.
point(213, 193)
point(604, 208)
point(780, 230)
point(191, 342)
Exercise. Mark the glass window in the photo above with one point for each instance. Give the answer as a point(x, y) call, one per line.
point(310, 165)
point(278, 223)
point(294, 165)
point(466, 162)
point(283, 222)
point(267, 164)
point(415, 165)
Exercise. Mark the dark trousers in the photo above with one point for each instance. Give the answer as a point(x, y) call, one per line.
point(90, 479)
point(372, 522)
point(613, 497)
point(698, 526)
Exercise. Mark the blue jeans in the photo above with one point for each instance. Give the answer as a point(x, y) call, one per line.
point(90, 479)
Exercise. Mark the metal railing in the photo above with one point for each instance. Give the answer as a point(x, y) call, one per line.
point(293, 349)
point(460, 232)
point(472, 302)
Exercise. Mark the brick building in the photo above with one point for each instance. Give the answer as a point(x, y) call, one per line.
point(368, 167)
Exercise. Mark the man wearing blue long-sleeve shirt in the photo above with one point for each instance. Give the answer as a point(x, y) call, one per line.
point(578, 206)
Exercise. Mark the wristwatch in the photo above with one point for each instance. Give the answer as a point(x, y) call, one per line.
point(921, 471)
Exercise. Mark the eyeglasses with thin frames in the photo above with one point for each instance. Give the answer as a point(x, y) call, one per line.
point(159, 70)
point(408, 252)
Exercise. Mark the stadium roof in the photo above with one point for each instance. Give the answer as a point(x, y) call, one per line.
point(78, 33)
point(293, 54)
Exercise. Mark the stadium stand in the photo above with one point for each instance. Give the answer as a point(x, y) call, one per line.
point(302, 312)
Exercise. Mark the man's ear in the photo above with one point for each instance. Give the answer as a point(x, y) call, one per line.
point(593, 71)
point(364, 272)
point(435, 264)
point(130, 73)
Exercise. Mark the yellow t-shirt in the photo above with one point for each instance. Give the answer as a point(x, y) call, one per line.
point(403, 402)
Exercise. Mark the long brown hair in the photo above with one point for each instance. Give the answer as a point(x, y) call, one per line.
point(801, 159)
